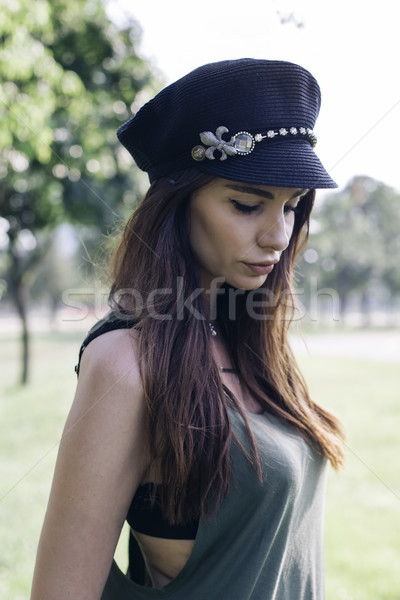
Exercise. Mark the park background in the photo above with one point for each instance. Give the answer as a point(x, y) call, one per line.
point(70, 74)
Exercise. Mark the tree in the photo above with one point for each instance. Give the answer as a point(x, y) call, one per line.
point(69, 78)
point(355, 244)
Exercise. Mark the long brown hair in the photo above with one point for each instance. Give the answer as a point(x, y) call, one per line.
point(155, 278)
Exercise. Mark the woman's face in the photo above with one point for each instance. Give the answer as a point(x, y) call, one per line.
point(239, 230)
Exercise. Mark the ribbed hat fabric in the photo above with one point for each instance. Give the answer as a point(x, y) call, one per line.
point(244, 95)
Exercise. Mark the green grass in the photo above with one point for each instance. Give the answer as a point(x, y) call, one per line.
point(363, 502)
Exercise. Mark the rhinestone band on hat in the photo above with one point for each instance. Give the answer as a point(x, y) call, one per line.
point(243, 142)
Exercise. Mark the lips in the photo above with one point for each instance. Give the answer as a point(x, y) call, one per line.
point(260, 268)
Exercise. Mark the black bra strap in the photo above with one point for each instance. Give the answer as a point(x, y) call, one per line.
point(110, 322)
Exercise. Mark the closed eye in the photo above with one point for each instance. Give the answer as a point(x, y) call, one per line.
point(244, 208)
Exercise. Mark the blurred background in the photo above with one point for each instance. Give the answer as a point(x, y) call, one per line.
point(70, 74)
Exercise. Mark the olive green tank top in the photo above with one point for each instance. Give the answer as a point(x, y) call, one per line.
point(266, 540)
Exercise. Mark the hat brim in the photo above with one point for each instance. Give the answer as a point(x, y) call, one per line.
point(286, 163)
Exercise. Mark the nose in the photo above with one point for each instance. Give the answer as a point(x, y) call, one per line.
point(274, 233)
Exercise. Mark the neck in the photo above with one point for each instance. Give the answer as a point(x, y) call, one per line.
point(211, 287)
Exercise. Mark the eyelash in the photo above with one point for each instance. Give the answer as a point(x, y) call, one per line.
point(248, 209)
point(244, 208)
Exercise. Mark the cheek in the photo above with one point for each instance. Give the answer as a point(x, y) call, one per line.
point(213, 240)
point(205, 239)
point(290, 225)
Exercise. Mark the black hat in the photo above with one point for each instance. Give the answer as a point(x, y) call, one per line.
point(246, 120)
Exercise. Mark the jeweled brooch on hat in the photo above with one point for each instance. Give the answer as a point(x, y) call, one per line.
point(243, 142)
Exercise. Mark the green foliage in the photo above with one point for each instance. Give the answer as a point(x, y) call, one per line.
point(356, 240)
point(69, 78)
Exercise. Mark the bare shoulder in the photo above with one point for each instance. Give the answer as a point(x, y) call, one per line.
point(108, 414)
point(109, 401)
point(113, 354)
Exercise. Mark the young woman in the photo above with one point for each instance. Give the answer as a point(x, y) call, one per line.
point(191, 420)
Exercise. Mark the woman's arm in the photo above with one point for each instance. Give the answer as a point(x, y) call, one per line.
point(101, 460)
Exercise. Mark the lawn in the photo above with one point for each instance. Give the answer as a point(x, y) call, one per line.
point(363, 502)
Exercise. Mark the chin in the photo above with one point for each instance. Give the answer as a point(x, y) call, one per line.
point(248, 284)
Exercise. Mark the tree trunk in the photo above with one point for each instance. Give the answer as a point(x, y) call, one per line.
point(21, 302)
point(21, 274)
point(365, 310)
point(343, 306)
point(19, 294)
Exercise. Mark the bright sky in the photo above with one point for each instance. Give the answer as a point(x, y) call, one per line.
point(350, 46)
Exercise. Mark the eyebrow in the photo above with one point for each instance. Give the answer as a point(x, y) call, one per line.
point(245, 189)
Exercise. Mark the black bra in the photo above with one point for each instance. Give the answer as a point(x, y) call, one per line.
point(145, 518)
point(142, 516)
point(148, 519)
